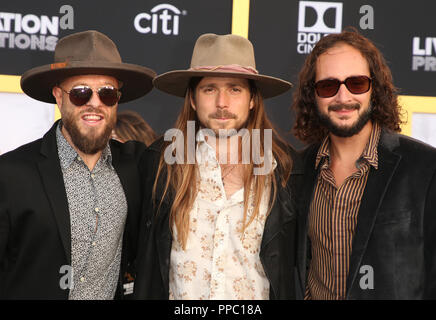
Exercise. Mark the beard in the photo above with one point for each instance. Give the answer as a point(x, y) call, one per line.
point(345, 131)
point(91, 142)
point(222, 132)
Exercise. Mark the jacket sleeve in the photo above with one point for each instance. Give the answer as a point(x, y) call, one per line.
point(430, 241)
point(4, 222)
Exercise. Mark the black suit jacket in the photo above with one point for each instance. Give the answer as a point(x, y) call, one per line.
point(278, 246)
point(395, 234)
point(35, 237)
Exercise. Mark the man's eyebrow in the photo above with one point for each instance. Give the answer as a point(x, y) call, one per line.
point(229, 84)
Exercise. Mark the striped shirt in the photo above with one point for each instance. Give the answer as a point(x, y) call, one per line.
point(332, 221)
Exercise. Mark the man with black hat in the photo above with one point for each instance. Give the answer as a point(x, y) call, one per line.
point(217, 223)
point(65, 199)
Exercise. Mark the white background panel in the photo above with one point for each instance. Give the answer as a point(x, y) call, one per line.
point(424, 127)
point(22, 120)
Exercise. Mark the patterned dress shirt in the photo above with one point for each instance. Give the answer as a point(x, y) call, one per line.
point(219, 262)
point(98, 210)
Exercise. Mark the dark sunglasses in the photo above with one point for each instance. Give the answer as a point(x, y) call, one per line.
point(80, 95)
point(329, 87)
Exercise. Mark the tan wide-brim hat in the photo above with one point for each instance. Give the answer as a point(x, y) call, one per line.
point(221, 56)
point(86, 53)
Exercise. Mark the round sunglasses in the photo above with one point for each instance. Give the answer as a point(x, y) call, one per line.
point(80, 95)
point(329, 87)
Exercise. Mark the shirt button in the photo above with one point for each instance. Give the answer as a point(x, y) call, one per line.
point(97, 209)
point(82, 279)
point(92, 176)
point(79, 159)
point(93, 243)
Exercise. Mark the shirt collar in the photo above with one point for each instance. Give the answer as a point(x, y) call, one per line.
point(67, 154)
point(370, 153)
point(207, 152)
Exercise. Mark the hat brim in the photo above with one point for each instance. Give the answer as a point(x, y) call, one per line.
point(176, 82)
point(136, 80)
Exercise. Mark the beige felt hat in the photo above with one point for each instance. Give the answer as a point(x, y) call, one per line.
point(221, 56)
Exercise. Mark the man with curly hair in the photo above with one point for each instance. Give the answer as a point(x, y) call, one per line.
point(368, 202)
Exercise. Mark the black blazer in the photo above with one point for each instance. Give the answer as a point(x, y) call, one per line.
point(278, 246)
point(396, 228)
point(35, 237)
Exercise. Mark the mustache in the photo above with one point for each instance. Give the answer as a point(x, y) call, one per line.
point(222, 114)
point(337, 107)
point(92, 110)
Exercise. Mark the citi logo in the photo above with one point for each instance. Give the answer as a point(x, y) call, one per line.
point(162, 18)
point(316, 19)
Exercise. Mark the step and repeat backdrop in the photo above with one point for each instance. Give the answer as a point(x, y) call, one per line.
point(161, 35)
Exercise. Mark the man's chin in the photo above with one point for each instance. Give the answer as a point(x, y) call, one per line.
point(343, 129)
point(90, 140)
point(91, 145)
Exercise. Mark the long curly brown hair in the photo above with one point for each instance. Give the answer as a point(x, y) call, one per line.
point(385, 108)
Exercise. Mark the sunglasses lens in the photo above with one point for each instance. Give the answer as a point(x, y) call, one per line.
point(109, 96)
point(81, 95)
point(327, 88)
point(358, 85)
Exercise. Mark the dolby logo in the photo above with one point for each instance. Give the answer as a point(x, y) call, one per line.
point(316, 19)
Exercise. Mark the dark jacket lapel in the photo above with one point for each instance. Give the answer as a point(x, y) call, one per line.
point(52, 179)
point(282, 210)
point(164, 243)
point(376, 186)
point(125, 167)
point(304, 198)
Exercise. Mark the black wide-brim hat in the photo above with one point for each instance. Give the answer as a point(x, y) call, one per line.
point(86, 53)
point(221, 56)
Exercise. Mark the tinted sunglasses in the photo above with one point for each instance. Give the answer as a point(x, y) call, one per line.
point(329, 87)
point(80, 95)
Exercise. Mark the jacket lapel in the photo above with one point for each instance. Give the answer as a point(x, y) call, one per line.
point(376, 186)
point(275, 219)
point(125, 168)
point(164, 243)
point(304, 199)
point(52, 179)
point(281, 212)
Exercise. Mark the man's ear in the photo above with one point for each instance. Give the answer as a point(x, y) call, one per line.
point(251, 103)
point(57, 94)
point(192, 99)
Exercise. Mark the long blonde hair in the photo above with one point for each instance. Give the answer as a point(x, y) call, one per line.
point(181, 179)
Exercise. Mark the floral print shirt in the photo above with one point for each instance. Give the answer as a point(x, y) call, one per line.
point(219, 261)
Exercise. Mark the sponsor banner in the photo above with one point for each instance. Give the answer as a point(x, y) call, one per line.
point(316, 19)
point(424, 54)
point(160, 34)
point(163, 18)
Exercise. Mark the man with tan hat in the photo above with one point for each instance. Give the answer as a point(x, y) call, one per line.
point(213, 227)
point(66, 199)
